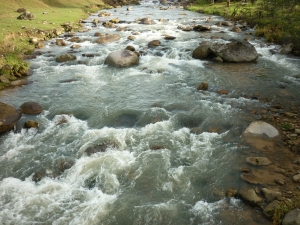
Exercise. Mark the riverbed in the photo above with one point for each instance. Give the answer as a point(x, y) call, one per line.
point(170, 150)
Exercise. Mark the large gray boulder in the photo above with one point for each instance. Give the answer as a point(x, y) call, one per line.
point(237, 51)
point(122, 58)
point(108, 38)
point(292, 218)
point(9, 116)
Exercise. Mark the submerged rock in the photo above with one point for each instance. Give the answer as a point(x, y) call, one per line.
point(31, 108)
point(101, 147)
point(31, 124)
point(9, 116)
point(122, 58)
point(64, 164)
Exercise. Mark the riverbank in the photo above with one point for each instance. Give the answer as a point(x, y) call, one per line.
point(279, 24)
point(45, 20)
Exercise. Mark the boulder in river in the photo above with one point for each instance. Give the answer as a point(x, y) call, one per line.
point(154, 43)
point(147, 21)
point(65, 58)
point(60, 42)
point(31, 124)
point(202, 51)
point(31, 108)
point(122, 58)
point(236, 51)
point(108, 38)
point(9, 116)
point(202, 27)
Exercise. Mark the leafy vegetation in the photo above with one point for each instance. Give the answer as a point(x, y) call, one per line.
point(277, 20)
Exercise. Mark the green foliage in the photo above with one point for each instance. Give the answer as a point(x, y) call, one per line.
point(287, 126)
point(283, 208)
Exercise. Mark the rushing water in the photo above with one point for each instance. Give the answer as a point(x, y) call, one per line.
point(172, 148)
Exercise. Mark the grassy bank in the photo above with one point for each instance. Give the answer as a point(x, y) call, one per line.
point(15, 34)
point(278, 21)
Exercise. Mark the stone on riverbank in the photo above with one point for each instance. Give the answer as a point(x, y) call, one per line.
point(31, 108)
point(9, 116)
point(250, 196)
point(269, 210)
point(260, 128)
point(258, 161)
point(122, 58)
point(271, 195)
point(292, 218)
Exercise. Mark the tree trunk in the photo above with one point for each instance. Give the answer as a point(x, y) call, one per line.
point(212, 1)
point(228, 3)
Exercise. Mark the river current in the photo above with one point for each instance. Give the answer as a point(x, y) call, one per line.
point(172, 149)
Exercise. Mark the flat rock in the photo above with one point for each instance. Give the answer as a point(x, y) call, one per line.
point(271, 195)
point(292, 218)
point(250, 196)
point(108, 38)
point(258, 161)
point(250, 178)
point(9, 116)
point(260, 128)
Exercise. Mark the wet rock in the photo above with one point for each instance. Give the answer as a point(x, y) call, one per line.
point(260, 128)
point(31, 124)
point(237, 51)
point(122, 58)
point(60, 42)
point(203, 51)
point(98, 34)
point(187, 29)
point(231, 192)
point(223, 92)
point(39, 175)
point(202, 87)
point(168, 37)
point(157, 147)
point(131, 37)
point(26, 16)
point(75, 39)
point(250, 178)
point(227, 23)
point(202, 27)
point(245, 170)
point(147, 21)
point(108, 38)
point(64, 164)
point(39, 44)
point(271, 195)
point(65, 58)
point(95, 21)
point(9, 116)
point(102, 14)
point(21, 82)
point(236, 29)
point(76, 46)
point(125, 120)
point(31, 108)
point(101, 147)
point(250, 196)
point(296, 178)
point(115, 20)
point(258, 161)
point(219, 24)
point(130, 48)
point(270, 208)
point(154, 43)
point(292, 218)
point(286, 49)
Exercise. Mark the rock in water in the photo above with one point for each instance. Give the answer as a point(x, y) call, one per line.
point(9, 116)
point(237, 51)
point(65, 58)
point(108, 38)
point(122, 58)
point(259, 128)
point(31, 108)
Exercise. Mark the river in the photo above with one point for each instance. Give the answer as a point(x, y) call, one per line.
point(171, 149)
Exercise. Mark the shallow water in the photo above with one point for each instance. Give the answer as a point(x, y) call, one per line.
point(172, 147)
